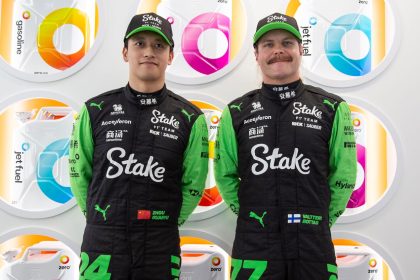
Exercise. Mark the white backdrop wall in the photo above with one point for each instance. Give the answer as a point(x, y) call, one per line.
point(394, 92)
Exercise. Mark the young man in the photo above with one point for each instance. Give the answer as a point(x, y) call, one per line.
point(138, 164)
point(285, 163)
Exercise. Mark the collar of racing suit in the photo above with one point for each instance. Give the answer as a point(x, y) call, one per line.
point(145, 99)
point(282, 92)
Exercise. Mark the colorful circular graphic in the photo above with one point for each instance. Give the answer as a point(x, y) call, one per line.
point(202, 258)
point(373, 263)
point(345, 43)
point(46, 48)
point(64, 259)
point(26, 15)
point(211, 204)
point(360, 258)
point(211, 37)
point(25, 251)
point(215, 261)
point(190, 48)
point(377, 159)
point(35, 35)
point(35, 180)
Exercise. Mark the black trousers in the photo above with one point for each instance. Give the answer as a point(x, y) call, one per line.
point(282, 270)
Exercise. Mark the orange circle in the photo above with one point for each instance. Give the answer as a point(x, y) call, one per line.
point(46, 31)
point(356, 122)
point(372, 263)
point(215, 120)
point(64, 259)
point(215, 261)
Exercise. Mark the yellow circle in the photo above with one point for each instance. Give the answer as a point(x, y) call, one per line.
point(46, 31)
point(356, 122)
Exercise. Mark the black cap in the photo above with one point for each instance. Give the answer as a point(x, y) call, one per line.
point(277, 21)
point(150, 22)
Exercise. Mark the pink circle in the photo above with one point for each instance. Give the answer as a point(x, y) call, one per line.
point(190, 37)
point(358, 197)
point(171, 20)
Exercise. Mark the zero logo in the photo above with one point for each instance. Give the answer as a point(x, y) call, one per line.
point(215, 119)
point(372, 263)
point(333, 44)
point(26, 15)
point(215, 261)
point(190, 38)
point(49, 26)
point(64, 259)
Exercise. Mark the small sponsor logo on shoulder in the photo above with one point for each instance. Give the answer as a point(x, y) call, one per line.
point(236, 106)
point(117, 110)
point(187, 115)
point(329, 103)
point(256, 106)
point(97, 105)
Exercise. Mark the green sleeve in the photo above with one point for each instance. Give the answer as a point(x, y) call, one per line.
point(194, 168)
point(226, 162)
point(342, 162)
point(80, 158)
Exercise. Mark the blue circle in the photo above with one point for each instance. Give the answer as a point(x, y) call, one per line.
point(313, 21)
point(335, 55)
point(25, 146)
point(45, 177)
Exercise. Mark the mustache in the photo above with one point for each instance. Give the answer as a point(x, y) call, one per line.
point(279, 59)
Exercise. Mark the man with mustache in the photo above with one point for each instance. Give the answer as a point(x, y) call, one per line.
point(138, 164)
point(285, 164)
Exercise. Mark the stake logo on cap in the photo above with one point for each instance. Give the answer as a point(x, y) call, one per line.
point(150, 22)
point(277, 21)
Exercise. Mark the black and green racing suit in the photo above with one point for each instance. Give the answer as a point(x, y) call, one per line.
point(286, 164)
point(138, 165)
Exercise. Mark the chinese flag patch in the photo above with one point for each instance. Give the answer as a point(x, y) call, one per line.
point(143, 214)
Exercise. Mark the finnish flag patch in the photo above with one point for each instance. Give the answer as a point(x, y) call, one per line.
point(293, 218)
